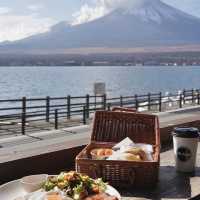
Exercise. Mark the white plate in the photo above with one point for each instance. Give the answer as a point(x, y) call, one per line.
point(13, 189)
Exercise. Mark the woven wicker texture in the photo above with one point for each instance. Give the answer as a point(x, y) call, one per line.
point(110, 128)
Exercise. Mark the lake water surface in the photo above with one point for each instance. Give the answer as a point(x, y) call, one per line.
point(60, 81)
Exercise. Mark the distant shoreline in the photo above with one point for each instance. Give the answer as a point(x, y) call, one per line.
point(136, 66)
point(176, 58)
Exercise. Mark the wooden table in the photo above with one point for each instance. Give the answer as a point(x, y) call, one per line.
point(171, 185)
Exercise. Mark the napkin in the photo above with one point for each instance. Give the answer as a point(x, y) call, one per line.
point(126, 144)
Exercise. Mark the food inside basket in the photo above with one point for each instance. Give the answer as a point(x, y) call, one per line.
point(125, 150)
point(101, 153)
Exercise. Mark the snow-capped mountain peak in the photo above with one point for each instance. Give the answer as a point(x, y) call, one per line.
point(150, 10)
point(146, 10)
point(141, 23)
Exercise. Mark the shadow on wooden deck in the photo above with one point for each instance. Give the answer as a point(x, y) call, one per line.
point(171, 185)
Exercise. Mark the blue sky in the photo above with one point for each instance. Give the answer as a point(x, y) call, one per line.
point(22, 18)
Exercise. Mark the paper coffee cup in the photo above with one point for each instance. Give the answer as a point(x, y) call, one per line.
point(185, 142)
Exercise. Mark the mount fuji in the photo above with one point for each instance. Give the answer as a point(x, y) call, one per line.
point(144, 23)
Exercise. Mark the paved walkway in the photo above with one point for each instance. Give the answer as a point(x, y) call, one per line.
point(43, 142)
point(14, 148)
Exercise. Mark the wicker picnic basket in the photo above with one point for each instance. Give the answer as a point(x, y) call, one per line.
point(111, 127)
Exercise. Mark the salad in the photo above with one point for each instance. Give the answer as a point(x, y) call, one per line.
point(75, 185)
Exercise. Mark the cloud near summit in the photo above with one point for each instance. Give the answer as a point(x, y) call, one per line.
point(95, 9)
point(98, 8)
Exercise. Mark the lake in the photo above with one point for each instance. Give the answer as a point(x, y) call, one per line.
point(16, 82)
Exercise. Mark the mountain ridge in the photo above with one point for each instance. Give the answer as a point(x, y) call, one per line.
point(145, 25)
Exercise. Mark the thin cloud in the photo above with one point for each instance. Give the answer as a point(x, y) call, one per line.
point(15, 27)
point(88, 13)
point(35, 7)
point(99, 8)
point(5, 10)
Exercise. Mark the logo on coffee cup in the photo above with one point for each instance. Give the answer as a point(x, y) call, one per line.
point(184, 154)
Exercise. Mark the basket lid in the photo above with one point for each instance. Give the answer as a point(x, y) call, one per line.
point(112, 126)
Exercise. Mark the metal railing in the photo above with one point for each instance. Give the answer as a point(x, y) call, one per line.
point(52, 111)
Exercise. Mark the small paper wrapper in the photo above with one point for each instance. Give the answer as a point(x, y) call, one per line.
point(126, 144)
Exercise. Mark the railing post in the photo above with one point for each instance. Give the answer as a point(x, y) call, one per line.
point(198, 97)
point(109, 106)
point(149, 101)
point(47, 108)
point(56, 119)
point(84, 115)
point(23, 122)
point(160, 101)
point(87, 106)
point(104, 101)
point(95, 102)
point(193, 99)
point(180, 100)
point(136, 102)
point(121, 101)
point(184, 92)
point(68, 107)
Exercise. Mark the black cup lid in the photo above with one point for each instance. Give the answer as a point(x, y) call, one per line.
point(185, 132)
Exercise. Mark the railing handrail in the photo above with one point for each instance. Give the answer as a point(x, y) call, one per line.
point(47, 108)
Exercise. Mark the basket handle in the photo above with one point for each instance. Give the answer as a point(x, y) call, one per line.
point(95, 171)
point(122, 109)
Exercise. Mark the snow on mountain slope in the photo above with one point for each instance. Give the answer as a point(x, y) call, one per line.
point(153, 10)
point(142, 23)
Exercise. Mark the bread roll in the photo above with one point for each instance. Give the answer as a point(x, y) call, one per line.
point(137, 151)
point(101, 153)
point(132, 157)
point(104, 152)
